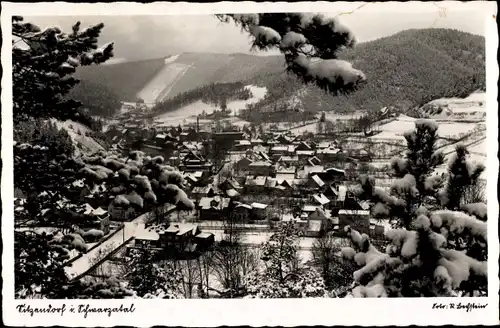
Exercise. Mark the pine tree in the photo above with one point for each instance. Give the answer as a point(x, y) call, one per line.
point(414, 179)
point(302, 38)
point(43, 63)
point(461, 176)
point(284, 276)
point(437, 252)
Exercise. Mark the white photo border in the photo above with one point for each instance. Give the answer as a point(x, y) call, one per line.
point(275, 312)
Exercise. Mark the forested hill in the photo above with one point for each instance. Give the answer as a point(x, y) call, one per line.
point(405, 69)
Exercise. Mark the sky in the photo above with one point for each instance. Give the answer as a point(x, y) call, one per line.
point(144, 37)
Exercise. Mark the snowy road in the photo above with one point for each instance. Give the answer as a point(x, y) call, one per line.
point(89, 260)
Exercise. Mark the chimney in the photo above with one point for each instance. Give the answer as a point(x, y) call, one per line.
point(198, 123)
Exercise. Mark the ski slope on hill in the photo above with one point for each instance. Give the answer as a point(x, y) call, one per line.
point(164, 80)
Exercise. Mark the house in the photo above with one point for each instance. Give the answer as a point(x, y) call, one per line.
point(261, 168)
point(213, 208)
point(308, 171)
point(243, 145)
point(284, 139)
point(242, 212)
point(270, 183)
point(227, 140)
point(243, 164)
point(255, 184)
point(194, 162)
point(256, 142)
point(334, 174)
point(181, 237)
point(315, 182)
point(160, 139)
point(303, 146)
point(100, 217)
point(288, 160)
point(190, 135)
point(313, 161)
point(205, 191)
point(259, 211)
point(314, 228)
point(356, 219)
point(230, 183)
point(204, 240)
point(285, 173)
point(121, 210)
point(320, 215)
point(264, 156)
point(279, 150)
point(146, 237)
point(308, 209)
point(320, 199)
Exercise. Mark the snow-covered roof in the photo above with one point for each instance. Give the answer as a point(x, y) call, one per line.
point(313, 169)
point(314, 225)
point(260, 163)
point(309, 208)
point(288, 159)
point(259, 205)
point(204, 235)
point(232, 193)
point(336, 170)
point(249, 207)
point(244, 142)
point(342, 193)
point(321, 199)
point(318, 180)
point(185, 227)
point(279, 148)
point(142, 233)
point(305, 152)
point(99, 211)
point(354, 212)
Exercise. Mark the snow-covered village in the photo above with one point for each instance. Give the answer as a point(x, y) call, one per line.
point(329, 161)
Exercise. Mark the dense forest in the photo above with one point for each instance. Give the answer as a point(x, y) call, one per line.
point(411, 68)
point(97, 98)
point(217, 94)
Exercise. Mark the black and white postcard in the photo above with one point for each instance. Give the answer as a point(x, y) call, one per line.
point(277, 164)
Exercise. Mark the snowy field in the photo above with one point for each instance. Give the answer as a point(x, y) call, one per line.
point(187, 114)
point(163, 82)
point(475, 104)
point(479, 148)
point(77, 133)
point(313, 127)
point(258, 94)
point(454, 130)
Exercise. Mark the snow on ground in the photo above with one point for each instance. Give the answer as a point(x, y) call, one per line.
point(77, 133)
point(398, 127)
point(185, 114)
point(258, 94)
point(188, 113)
point(313, 127)
point(333, 116)
point(455, 129)
point(159, 87)
point(479, 148)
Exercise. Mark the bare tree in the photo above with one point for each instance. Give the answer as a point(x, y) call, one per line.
point(191, 276)
point(326, 256)
point(232, 260)
point(474, 193)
